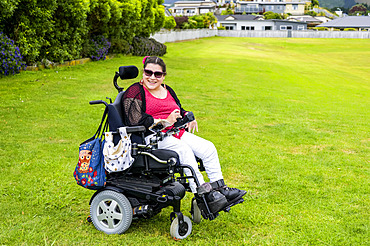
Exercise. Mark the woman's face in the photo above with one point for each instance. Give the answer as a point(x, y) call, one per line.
point(152, 76)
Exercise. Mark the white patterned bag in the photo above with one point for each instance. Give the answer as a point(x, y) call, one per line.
point(117, 158)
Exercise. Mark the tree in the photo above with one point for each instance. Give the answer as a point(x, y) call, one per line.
point(315, 3)
point(358, 9)
point(311, 12)
point(228, 11)
point(169, 22)
point(271, 15)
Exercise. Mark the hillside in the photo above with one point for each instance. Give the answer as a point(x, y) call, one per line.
point(337, 3)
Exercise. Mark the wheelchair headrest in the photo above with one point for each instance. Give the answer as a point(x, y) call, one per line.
point(128, 72)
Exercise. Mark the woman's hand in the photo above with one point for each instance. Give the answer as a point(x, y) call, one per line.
point(193, 126)
point(172, 118)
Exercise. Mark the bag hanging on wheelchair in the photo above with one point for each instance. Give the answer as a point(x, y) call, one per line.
point(89, 171)
point(117, 158)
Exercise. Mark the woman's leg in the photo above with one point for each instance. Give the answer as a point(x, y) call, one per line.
point(186, 156)
point(206, 151)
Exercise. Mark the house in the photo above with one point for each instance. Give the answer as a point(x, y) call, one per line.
point(190, 8)
point(323, 19)
point(258, 23)
point(311, 21)
point(293, 7)
point(357, 22)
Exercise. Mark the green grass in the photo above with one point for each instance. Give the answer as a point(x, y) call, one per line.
point(289, 117)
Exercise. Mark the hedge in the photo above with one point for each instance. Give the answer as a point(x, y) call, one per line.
point(60, 30)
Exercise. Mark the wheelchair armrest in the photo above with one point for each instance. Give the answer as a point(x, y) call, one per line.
point(132, 129)
point(135, 129)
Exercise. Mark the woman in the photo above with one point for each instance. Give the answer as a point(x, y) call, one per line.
point(149, 101)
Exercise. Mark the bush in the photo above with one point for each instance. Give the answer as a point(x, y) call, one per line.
point(321, 28)
point(311, 12)
point(120, 46)
point(100, 46)
point(11, 60)
point(180, 20)
point(349, 29)
point(169, 22)
point(147, 47)
point(271, 15)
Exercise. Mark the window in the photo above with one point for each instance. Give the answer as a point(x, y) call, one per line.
point(243, 27)
point(229, 27)
point(300, 27)
point(268, 28)
point(249, 28)
point(269, 7)
point(295, 6)
point(289, 27)
point(282, 27)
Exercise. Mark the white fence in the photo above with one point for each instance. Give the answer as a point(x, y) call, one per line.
point(173, 36)
point(179, 35)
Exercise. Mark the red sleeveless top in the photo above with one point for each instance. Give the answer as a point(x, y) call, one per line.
point(161, 108)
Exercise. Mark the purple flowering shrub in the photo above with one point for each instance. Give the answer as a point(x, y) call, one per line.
point(99, 48)
point(11, 60)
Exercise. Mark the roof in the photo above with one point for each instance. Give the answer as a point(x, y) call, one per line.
point(251, 18)
point(305, 18)
point(349, 21)
point(237, 17)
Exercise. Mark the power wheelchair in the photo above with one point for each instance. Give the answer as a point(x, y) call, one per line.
point(154, 181)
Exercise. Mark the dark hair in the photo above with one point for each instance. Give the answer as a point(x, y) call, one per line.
point(155, 60)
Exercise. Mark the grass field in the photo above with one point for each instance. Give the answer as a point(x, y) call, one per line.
point(289, 117)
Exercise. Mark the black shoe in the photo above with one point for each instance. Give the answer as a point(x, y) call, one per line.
point(231, 194)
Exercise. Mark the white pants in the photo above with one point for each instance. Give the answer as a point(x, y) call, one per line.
point(190, 146)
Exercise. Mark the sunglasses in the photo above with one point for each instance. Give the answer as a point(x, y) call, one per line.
point(157, 74)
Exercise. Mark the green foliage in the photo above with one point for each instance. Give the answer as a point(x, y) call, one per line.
point(169, 22)
point(227, 12)
point(120, 46)
point(349, 29)
point(271, 15)
point(197, 21)
point(311, 12)
point(320, 28)
point(7, 8)
point(315, 2)
point(59, 30)
point(11, 60)
point(69, 29)
point(29, 26)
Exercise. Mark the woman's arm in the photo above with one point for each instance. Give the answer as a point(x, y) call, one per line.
point(133, 108)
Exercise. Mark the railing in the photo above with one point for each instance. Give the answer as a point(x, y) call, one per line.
point(249, 10)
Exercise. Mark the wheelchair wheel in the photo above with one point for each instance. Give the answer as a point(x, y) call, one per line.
point(196, 214)
point(180, 233)
point(111, 212)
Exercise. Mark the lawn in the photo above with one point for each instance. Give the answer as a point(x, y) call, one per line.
point(290, 119)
